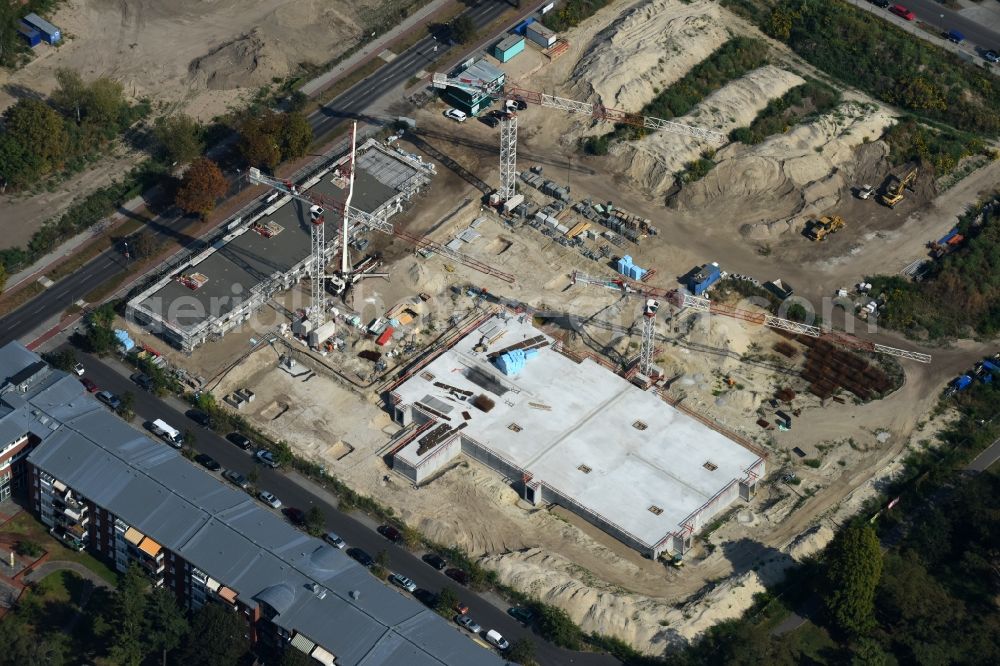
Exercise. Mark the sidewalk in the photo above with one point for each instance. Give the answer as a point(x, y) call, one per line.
point(317, 85)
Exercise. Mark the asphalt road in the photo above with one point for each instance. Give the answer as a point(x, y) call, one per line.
point(352, 103)
point(354, 532)
point(936, 14)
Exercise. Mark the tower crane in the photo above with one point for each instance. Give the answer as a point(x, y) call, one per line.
point(680, 299)
point(516, 98)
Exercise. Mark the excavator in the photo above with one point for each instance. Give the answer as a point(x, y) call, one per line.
point(894, 194)
point(819, 229)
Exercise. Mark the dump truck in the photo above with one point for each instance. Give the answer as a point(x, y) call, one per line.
point(819, 229)
point(894, 193)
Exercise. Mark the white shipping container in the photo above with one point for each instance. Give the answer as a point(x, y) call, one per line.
point(540, 35)
point(547, 8)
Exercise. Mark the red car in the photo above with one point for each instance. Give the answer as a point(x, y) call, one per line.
point(89, 385)
point(903, 12)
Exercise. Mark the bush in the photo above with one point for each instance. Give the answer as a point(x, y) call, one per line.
point(29, 549)
point(802, 102)
point(867, 52)
point(555, 625)
point(696, 170)
point(571, 13)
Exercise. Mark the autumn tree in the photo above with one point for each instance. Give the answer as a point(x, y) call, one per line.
point(259, 140)
point(202, 185)
point(853, 571)
point(179, 137)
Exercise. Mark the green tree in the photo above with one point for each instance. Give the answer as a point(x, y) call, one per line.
point(164, 626)
point(128, 608)
point(36, 125)
point(20, 643)
point(127, 407)
point(381, 566)
point(259, 140)
point(522, 651)
point(217, 638)
point(143, 245)
point(296, 136)
point(853, 569)
point(3, 275)
point(180, 138)
point(463, 30)
point(100, 338)
point(63, 359)
point(202, 185)
point(70, 96)
point(556, 625)
point(446, 602)
point(315, 521)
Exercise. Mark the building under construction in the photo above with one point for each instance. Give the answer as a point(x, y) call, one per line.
point(222, 286)
point(572, 433)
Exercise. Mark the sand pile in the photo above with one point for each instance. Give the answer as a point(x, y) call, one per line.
point(247, 61)
point(793, 176)
point(648, 48)
point(648, 624)
point(654, 161)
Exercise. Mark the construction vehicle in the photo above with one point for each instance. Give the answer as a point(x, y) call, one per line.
point(894, 194)
point(819, 229)
point(866, 192)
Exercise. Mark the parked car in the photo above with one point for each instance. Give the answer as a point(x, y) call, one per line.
point(239, 440)
point(402, 581)
point(109, 399)
point(334, 540)
point(461, 607)
point(295, 516)
point(991, 56)
point(237, 478)
point(495, 639)
point(884, 4)
point(435, 561)
point(426, 597)
point(390, 533)
point(78, 369)
point(467, 622)
point(902, 12)
point(456, 115)
point(458, 576)
point(954, 36)
point(489, 121)
point(269, 499)
point(144, 381)
point(200, 417)
point(89, 385)
point(265, 457)
point(208, 462)
point(362, 558)
point(523, 615)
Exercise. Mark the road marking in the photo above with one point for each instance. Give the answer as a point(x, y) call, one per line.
point(387, 55)
point(45, 282)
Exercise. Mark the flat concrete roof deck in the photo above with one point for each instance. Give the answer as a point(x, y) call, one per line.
point(585, 432)
point(249, 259)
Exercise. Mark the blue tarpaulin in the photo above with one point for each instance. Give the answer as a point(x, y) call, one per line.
point(124, 340)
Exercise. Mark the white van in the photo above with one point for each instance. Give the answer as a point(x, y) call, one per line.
point(168, 433)
point(456, 115)
point(498, 641)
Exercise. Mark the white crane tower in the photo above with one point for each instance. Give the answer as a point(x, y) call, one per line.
point(515, 99)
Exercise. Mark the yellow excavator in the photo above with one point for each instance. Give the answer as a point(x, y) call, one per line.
point(819, 229)
point(894, 194)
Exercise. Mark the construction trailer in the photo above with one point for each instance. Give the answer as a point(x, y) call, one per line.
point(540, 35)
point(49, 32)
point(508, 47)
point(570, 432)
point(473, 101)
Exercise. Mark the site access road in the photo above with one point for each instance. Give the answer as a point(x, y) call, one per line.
point(111, 377)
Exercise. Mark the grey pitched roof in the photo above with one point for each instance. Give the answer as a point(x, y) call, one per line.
point(311, 587)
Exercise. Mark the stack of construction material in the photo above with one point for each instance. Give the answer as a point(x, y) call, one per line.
point(829, 369)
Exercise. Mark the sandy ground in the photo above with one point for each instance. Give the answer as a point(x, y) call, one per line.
point(810, 169)
point(199, 56)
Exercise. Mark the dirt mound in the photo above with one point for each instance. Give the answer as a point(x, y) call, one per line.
point(793, 176)
point(649, 48)
point(244, 62)
point(654, 161)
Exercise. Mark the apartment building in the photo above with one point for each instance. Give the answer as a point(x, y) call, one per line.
point(100, 484)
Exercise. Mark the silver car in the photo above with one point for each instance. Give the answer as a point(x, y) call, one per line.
point(269, 499)
point(334, 540)
point(467, 622)
point(403, 582)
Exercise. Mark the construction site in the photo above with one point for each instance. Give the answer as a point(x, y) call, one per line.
point(591, 376)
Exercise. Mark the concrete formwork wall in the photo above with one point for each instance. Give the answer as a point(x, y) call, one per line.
point(437, 459)
point(477, 451)
point(552, 495)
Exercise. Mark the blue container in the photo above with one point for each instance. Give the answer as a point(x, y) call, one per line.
point(30, 35)
point(947, 237)
point(962, 382)
point(521, 27)
point(703, 279)
point(49, 32)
